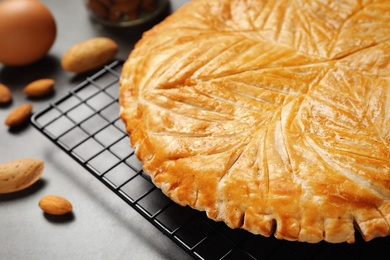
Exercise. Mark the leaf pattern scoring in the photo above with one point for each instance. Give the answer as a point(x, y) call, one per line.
point(272, 116)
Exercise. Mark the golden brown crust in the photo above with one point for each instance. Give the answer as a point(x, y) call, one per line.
point(272, 116)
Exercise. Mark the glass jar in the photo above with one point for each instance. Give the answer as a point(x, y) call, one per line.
point(124, 13)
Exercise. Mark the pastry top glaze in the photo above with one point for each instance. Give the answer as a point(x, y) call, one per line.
point(272, 116)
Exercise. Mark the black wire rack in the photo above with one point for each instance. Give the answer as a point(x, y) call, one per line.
point(85, 124)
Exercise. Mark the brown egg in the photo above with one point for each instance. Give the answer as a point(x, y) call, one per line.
point(27, 31)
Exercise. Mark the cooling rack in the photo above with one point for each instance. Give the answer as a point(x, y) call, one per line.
point(85, 124)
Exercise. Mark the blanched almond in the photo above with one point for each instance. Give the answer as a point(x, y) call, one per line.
point(19, 115)
point(55, 205)
point(40, 87)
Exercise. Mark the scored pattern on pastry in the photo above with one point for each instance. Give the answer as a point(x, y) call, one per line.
point(272, 116)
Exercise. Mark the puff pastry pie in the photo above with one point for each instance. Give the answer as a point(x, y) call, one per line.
point(272, 116)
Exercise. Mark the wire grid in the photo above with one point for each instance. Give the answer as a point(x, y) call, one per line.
point(85, 124)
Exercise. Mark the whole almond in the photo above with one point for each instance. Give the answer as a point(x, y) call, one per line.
point(19, 174)
point(19, 115)
point(98, 7)
point(90, 54)
point(40, 87)
point(5, 94)
point(55, 205)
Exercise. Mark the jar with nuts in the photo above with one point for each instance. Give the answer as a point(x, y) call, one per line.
point(124, 13)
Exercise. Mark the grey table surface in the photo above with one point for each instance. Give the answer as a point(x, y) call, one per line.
point(102, 225)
